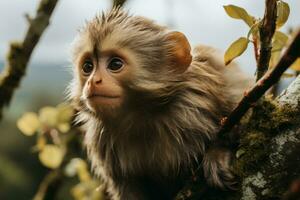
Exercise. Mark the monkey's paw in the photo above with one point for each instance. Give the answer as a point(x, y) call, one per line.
point(217, 169)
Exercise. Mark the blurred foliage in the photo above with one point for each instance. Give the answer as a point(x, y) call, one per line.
point(279, 42)
point(51, 127)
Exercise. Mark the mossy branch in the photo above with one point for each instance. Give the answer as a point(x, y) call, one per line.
point(266, 32)
point(269, 152)
point(267, 156)
point(20, 52)
point(269, 79)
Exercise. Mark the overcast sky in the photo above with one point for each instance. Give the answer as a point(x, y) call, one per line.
point(203, 21)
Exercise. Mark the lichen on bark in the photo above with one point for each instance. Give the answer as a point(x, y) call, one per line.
point(270, 147)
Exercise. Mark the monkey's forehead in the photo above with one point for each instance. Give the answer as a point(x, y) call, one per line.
point(117, 29)
point(118, 17)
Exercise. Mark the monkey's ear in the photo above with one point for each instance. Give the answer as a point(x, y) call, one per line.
point(180, 50)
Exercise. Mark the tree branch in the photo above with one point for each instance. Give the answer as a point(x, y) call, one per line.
point(266, 32)
point(269, 79)
point(20, 52)
point(118, 3)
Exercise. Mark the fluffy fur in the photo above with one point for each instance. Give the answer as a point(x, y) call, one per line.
point(169, 120)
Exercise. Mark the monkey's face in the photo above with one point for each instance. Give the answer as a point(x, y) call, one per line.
point(101, 78)
point(101, 87)
point(123, 62)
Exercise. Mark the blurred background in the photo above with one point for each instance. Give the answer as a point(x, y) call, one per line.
point(48, 73)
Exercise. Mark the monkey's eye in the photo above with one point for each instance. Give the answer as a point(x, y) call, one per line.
point(87, 67)
point(115, 64)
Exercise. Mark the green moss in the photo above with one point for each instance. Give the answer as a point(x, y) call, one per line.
point(266, 121)
point(269, 117)
point(254, 149)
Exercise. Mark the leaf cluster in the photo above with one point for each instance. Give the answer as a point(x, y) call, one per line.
point(52, 128)
point(279, 41)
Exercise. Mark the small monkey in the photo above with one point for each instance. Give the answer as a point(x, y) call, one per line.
point(150, 106)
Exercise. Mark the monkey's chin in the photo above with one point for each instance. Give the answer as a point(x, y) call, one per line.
point(104, 105)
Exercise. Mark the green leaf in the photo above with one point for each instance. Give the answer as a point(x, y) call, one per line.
point(51, 156)
point(28, 123)
point(239, 13)
point(235, 49)
point(283, 12)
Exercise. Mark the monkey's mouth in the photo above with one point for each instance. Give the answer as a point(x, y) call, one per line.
point(96, 100)
point(103, 96)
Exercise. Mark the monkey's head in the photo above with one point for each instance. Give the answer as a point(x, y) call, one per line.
point(122, 60)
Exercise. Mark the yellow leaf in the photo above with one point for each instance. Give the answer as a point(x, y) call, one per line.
point(279, 40)
point(28, 123)
point(79, 167)
point(83, 172)
point(65, 113)
point(253, 30)
point(288, 75)
point(71, 167)
point(63, 127)
point(296, 65)
point(87, 190)
point(283, 12)
point(51, 156)
point(235, 49)
point(48, 116)
point(41, 143)
point(239, 13)
point(274, 58)
point(79, 191)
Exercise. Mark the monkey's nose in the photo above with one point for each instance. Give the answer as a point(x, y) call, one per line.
point(98, 81)
point(97, 78)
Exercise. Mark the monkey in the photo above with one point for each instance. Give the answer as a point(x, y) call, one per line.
point(150, 106)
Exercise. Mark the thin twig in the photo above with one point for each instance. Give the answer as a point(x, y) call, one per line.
point(118, 3)
point(20, 52)
point(255, 44)
point(51, 179)
point(269, 79)
point(266, 32)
